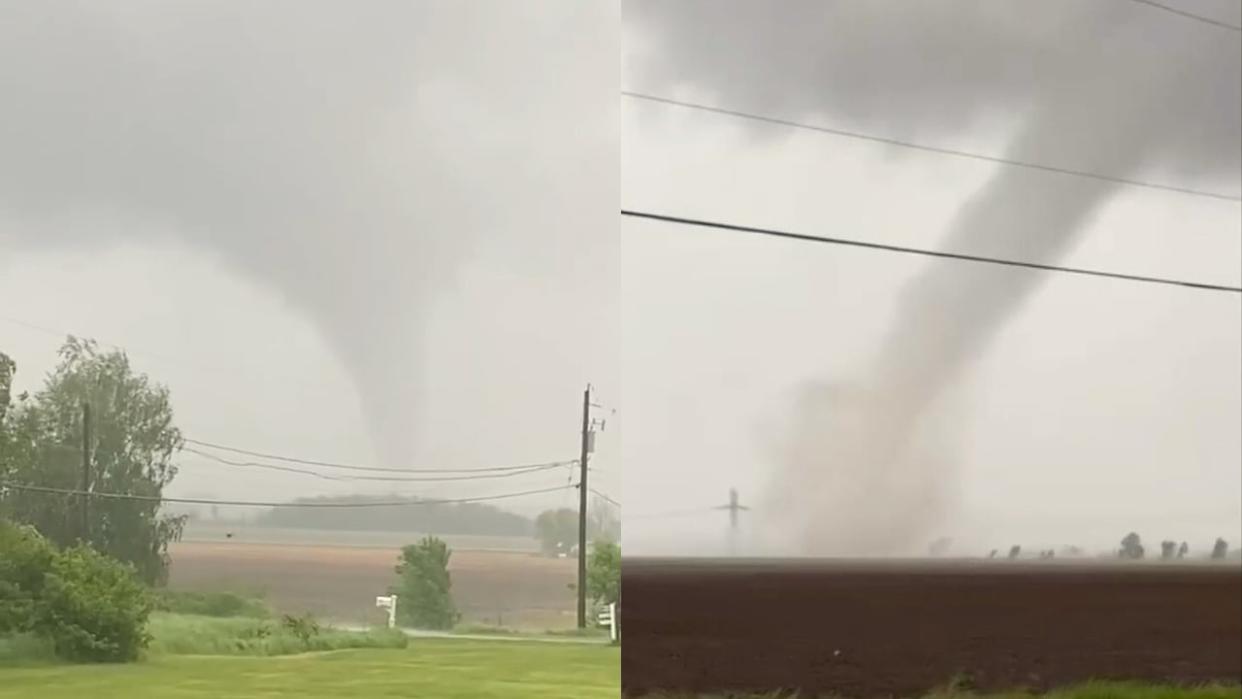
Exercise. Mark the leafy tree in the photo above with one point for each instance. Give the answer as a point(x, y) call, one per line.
point(424, 591)
point(557, 530)
point(1168, 549)
point(1183, 550)
point(604, 573)
point(1131, 547)
point(1015, 551)
point(133, 442)
point(1220, 549)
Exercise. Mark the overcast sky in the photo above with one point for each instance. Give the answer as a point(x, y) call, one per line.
point(386, 233)
point(1079, 409)
point(378, 233)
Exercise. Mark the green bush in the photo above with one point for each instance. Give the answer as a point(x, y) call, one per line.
point(25, 558)
point(93, 608)
point(180, 634)
point(304, 627)
point(217, 604)
point(425, 590)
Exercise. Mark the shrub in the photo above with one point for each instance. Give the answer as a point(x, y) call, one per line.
point(93, 608)
point(304, 627)
point(25, 558)
point(198, 635)
point(424, 593)
point(217, 604)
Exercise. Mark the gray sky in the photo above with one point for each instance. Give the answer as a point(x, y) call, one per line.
point(1078, 410)
point(379, 233)
point(323, 223)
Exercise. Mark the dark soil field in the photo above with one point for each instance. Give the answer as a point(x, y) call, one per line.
point(340, 583)
point(865, 629)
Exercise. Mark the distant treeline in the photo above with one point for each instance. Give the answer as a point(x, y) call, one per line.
point(457, 518)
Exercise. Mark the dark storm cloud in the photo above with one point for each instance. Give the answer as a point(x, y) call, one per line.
point(935, 68)
point(347, 155)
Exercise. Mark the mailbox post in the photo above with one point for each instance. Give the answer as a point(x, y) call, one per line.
point(389, 603)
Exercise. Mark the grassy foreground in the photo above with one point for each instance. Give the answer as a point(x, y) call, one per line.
point(441, 668)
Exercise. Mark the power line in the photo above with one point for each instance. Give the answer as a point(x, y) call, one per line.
point(602, 495)
point(251, 503)
point(255, 464)
point(1188, 15)
point(385, 479)
point(930, 149)
point(381, 469)
point(926, 252)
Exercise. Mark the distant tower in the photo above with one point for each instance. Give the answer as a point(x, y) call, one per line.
point(733, 507)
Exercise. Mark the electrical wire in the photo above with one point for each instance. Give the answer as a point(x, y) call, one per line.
point(381, 469)
point(926, 252)
point(255, 464)
point(930, 149)
point(251, 503)
point(1188, 15)
point(383, 479)
point(604, 496)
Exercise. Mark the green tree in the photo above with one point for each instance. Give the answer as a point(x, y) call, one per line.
point(557, 530)
point(1220, 550)
point(1131, 547)
point(604, 573)
point(424, 591)
point(133, 442)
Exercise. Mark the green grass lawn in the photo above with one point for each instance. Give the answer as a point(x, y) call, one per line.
point(441, 668)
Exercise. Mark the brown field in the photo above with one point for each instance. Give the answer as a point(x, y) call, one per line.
point(863, 629)
point(340, 583)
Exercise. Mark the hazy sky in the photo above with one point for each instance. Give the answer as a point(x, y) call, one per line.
point(1093, 407)
point(386, 233)
point(378, 232)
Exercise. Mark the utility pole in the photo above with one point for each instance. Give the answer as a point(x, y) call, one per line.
point(86, 472)
point(733, 507)
point(582, 505)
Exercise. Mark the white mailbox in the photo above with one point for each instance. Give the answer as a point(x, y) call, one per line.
point(389, 603)
point(608, 617)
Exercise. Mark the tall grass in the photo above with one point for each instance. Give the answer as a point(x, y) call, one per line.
point(219, 604)
point(182, 634)
point(26, 649)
